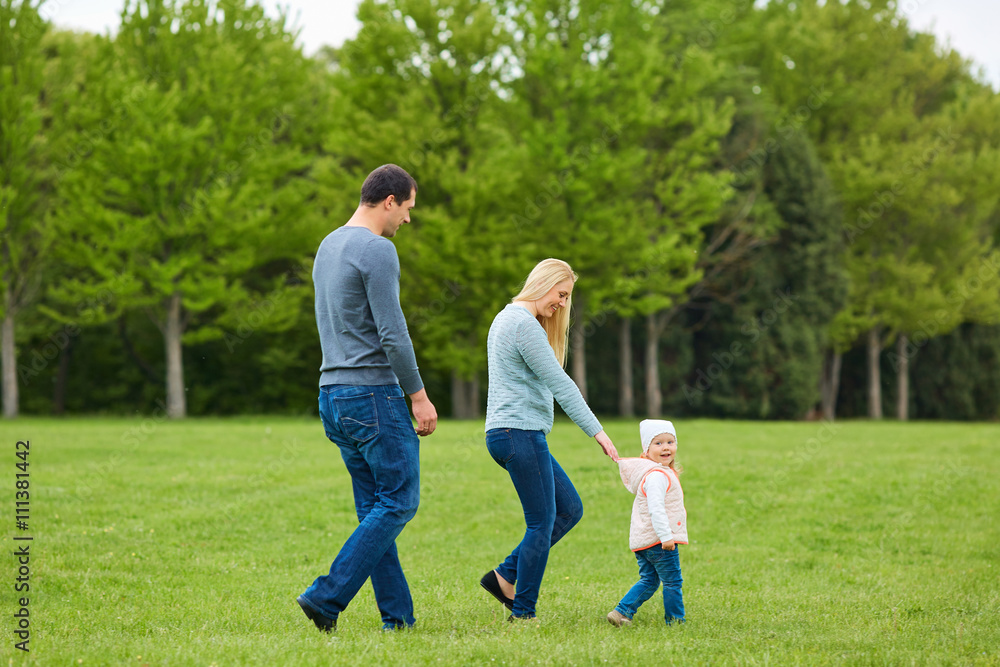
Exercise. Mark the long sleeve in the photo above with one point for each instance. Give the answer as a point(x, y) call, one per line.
point(538, 355)
point(381, 279)
point(656, 486)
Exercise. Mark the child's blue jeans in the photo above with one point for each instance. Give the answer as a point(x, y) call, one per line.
point(656, 565)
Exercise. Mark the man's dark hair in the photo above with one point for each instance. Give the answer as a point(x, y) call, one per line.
point(384, 181)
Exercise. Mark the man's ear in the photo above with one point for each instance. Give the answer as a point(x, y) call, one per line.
point(389, 200)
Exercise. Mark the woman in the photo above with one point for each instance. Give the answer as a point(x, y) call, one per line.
point(527, 352)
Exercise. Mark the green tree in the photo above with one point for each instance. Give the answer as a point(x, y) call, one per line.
point(445, 126)
point(631, 215)
point(759, 349)
point(189, 203)
point(67, 57)
point(882, 90)
point(25, 178)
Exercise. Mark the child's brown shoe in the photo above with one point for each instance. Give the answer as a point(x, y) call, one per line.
point(618, 619)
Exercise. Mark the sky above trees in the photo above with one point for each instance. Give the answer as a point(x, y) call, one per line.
point(969, 25)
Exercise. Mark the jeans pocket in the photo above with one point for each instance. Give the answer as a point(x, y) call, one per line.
point(500, 444)
point(399, 412)
point(358, 417)
point(655, 554)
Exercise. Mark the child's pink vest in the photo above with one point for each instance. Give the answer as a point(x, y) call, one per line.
point(641, 534)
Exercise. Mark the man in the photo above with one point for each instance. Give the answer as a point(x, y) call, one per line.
point(368, 364)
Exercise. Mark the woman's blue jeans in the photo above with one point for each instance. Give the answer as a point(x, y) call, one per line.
point(371, 426)
point(551, 508)
point(656, 565)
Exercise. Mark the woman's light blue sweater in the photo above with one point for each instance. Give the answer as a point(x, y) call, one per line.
point(524, 376)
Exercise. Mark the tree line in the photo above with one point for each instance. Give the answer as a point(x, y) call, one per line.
point(776, 211)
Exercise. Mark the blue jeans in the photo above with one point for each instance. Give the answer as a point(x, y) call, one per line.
point(656, 565)
point(372, 428)
point(551, 508)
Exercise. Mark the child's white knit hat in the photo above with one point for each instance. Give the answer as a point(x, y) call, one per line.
point(650, 428)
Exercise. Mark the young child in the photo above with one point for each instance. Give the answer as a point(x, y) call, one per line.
point(659, 522)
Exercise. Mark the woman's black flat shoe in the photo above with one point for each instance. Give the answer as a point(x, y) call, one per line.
point(491, 583)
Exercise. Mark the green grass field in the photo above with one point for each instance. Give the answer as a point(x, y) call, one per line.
point(186, 543)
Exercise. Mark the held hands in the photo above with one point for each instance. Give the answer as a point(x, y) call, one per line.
point(424, 412)
point(669, 546)
point(609, 447)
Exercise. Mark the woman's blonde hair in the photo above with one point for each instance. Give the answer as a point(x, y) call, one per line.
point(547, 274)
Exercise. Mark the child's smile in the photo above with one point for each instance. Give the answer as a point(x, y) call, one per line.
point(662, 449)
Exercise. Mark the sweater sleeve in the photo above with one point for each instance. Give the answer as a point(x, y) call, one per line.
point(538, 355)
point(656, 499)
point(381, 276)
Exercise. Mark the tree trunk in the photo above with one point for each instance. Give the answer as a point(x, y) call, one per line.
point(626, 396)
point(176, 400)
point(902, 379)
point(874, 377)
point(464, 397)
point(459, 405)
point(8, 358)
point(578, 350)
point(474, 398)
point(62, 378)
point(830, 383)
point(654, 398)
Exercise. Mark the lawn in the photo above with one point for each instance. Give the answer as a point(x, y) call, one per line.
point(186, 543)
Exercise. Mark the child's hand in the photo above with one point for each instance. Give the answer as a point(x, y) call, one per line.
point(669, 546)
point(609, 447)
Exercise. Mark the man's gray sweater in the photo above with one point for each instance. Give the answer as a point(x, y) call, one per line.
point(361, 326)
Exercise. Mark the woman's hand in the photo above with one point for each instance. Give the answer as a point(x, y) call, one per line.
point(609, 447)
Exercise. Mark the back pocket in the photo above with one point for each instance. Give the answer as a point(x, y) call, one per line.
point(500, 444)
point(358, 418)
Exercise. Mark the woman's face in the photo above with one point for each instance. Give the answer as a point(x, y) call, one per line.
point(555, 299)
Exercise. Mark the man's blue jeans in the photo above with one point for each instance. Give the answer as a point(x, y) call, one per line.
point(550, 502)
point(656, 565)
point(371, 426)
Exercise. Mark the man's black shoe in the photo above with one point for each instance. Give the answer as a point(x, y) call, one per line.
point(322, 622)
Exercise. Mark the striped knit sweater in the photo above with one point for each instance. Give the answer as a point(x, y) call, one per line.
point(524, 376)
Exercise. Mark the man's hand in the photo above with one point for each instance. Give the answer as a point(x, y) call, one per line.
point(669, 546)
point(609, 447)
point(424, 413)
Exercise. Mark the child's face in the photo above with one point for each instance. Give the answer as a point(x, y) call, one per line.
point(662, 449)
